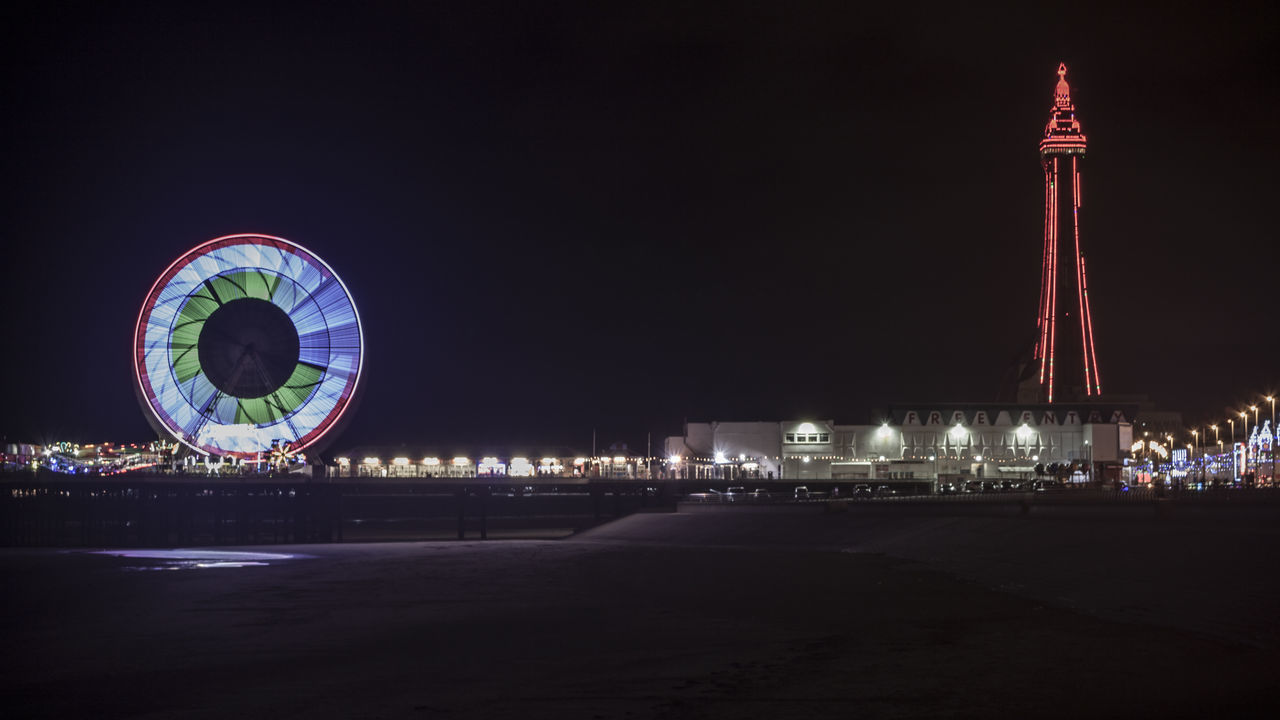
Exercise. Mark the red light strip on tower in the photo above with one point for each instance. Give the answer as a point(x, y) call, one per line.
point(1093, 356)
point(1053, 272)
point(1042, 320)
point(1075, 222)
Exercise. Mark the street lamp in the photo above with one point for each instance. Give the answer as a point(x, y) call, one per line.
point(1272, 399)
point(1233, 448)
point(1151, 463)
point(1195, 434)
point(1244, 430)
point(1217, 438)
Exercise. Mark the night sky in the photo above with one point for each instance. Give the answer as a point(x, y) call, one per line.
point(559, 217)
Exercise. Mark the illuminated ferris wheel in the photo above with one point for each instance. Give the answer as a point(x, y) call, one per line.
point(247, 344)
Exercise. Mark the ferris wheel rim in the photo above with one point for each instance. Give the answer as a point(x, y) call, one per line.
point(143, 381)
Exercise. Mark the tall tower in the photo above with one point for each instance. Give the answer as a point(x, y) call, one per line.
point(1064, 357)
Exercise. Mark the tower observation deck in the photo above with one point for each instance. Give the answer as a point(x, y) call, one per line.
point(1065, 360)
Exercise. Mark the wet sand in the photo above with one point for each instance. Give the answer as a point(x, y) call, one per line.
point(668, 616)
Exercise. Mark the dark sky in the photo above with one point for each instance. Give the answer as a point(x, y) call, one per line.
point(558, 217)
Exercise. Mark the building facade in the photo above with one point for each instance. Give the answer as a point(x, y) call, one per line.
point(910, 444)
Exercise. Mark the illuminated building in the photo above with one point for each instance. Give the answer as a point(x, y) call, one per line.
point(1065, 361)
point(911, 444)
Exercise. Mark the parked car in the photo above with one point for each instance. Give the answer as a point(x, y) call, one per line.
point(885, 490)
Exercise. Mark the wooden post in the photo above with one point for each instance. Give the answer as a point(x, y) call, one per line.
point(462, 514)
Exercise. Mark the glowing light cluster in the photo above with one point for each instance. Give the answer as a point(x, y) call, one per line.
point(315, 388)
point(1063, 139)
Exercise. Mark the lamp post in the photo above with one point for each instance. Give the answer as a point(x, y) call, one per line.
point(1150, 447)
point(1217, 438)
point(1233, 449)
point(1191, 472)
point(1244, 430)
point(1257, 461)
point(1204, 454)
point(1272, 399)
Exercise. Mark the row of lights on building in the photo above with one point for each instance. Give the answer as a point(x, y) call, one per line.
point(1023, 431)
point(720, 458)
point(465, 462)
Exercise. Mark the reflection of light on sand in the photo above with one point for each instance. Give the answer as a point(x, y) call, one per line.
point(184, 558)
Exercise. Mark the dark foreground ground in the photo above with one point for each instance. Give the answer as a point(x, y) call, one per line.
point(788, 614)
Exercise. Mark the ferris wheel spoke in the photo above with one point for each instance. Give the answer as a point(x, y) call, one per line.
point(279, 405)
point(183, 355)
point(293, 430)
point(208, 284)
point(188, 323)
point(230, 280)
point(204, 417)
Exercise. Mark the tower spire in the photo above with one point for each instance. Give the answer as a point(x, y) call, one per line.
point(1062, 94)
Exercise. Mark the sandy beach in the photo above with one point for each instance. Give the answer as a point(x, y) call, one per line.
point(688, 615)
